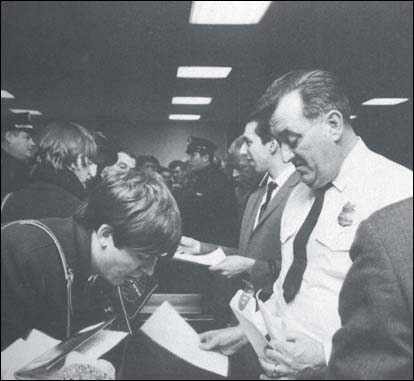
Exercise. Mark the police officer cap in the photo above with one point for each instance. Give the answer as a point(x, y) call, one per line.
point(201, 145)
point(21, 121)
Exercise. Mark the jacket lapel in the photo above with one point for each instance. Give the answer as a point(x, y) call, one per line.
point(279, 198)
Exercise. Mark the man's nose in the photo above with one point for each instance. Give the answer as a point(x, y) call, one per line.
point(243, 149)
point(287, 154)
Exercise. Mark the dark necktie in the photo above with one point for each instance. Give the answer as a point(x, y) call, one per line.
point(294, 276)
point(271, 186)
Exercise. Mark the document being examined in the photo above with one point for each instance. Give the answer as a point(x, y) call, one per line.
point(244, 307)
point(179, 338)
point(210, 259)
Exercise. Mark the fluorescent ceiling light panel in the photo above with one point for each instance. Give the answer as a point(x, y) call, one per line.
point(21, 111)
point(353, 117)
point(184, 117)
point(384, 101)
point(191, 100)
point(6, 95)
point(228, 12)
point(203, 71)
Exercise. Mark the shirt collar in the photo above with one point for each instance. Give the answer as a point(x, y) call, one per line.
point(280, 179)
point(350, 165)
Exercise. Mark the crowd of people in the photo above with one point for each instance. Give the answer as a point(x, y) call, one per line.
point(302, 208)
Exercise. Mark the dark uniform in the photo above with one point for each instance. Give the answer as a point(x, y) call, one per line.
point(14, 173)
point(213, 214)
point(209, 214)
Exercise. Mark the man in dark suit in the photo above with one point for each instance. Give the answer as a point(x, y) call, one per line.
point(258, 254)
point(376, 301)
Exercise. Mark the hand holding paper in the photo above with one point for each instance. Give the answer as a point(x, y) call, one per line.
point(210, 259)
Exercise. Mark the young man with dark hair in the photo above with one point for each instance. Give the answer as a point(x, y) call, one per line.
point(125, 224)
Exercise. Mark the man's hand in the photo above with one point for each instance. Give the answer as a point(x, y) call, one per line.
point(290, 358)
point(189, 246)
point(233, 265)
point(226, 341)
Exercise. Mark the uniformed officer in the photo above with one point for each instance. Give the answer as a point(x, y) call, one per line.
point(17, 148)
point(213, 217)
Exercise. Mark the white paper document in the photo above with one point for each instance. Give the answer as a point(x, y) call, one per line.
point(22, 352)
point(211, 259)
point(244, 307)
point(168, 329)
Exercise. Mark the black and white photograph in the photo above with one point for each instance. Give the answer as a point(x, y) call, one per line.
point(206, 190)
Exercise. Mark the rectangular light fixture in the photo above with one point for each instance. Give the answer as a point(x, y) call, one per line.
point(6, 95)
point(353, 117)
point(203, 71)
point(228, 12)
point(384, 101)
point(21, 111)
point(184, 117)
point(191, 100)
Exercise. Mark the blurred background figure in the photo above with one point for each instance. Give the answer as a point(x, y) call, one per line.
point(147, 163)
point(17, 149)
point(124, 162)
point(167, 176)
point(106, 156)
point(179, 170)
point(64, 160)
point(244, 178)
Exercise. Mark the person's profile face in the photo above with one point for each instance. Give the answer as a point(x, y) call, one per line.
point(178, 175)
point(197, 161)
point(21, 144)
point(254, 148)
point(305, 143)
point(123, 164)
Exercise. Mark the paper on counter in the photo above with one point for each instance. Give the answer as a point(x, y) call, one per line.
point(22, 352)
point(211, 259)
point(180, 338)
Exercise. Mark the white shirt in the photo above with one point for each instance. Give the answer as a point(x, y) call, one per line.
point(280, 181)
point(366, 181)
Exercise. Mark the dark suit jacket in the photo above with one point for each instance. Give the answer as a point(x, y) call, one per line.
point(376, 300)
point(263, 243)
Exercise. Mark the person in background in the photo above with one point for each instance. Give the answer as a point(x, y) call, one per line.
point(244, 178)
point(64, 158)
point(179, 170)
point(124, 225)
point(147, 163)
point(167, 176)
point(124, 163)
point(17, 149)
point(375, 341)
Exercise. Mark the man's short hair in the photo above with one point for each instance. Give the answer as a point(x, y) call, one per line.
point(139, 208)
point(320, 91)
point(142, 159)
point(178, 163)
point(62, 142)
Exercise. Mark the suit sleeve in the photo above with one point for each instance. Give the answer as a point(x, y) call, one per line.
point(375, 341)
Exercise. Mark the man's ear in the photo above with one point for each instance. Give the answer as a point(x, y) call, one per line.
point(273, 146)
point(335, 123)
point(105, 236)
point(9, 135)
